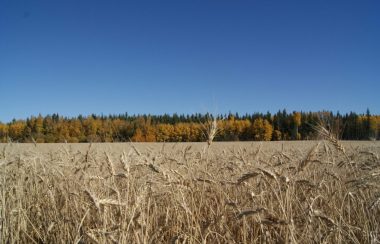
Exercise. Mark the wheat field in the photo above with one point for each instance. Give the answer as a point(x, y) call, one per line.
point(251, 192)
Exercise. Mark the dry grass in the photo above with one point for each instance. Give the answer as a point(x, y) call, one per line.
point(173, 193)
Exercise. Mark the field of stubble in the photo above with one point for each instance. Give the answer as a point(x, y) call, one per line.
point(272, 192)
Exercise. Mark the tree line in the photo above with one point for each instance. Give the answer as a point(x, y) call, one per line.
point(282, 125)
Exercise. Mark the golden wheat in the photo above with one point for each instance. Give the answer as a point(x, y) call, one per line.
point(228, 193)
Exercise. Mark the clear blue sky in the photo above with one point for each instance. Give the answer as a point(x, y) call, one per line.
point(82, 57)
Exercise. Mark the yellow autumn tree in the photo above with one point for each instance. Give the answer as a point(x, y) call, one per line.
point(39, 125)
point(3, 132)
point(106, 131)
point(16, 130)
point(268, 130)
point(164, 132)
point(138, 136)
point(150, 133)
point(296, 122)
point(241, 127)
point(262, 130)
point(195, 132)
point(76, 131)
point(373, 127)
point(91, 127)
point(182, 132)
point(145, 131)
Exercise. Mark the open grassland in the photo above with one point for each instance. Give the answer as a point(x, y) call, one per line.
point(272, 192)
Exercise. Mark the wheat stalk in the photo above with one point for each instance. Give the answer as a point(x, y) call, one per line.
point(309, 157)
point(375, 202)
point(249, 212)
point(329, 135)
point(247, 176)
point(94, 200)
point(210, 129)
point(108, 201)
point(213, 201)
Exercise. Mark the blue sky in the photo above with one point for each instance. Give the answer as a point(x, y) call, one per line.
point(82, 57)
